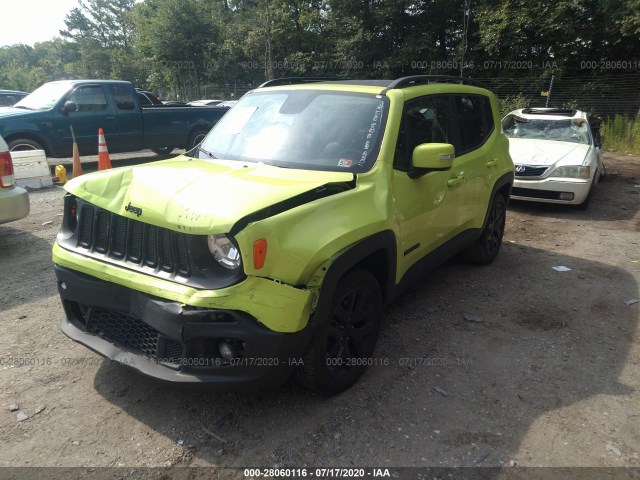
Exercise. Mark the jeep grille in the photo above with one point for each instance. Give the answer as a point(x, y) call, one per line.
point(122, 238)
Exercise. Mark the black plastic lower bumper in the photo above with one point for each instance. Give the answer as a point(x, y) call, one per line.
point(176, 343)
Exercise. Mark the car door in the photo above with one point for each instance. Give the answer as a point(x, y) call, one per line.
point(92, 111)
point(425, 208)
point(473, 164)
point(129, 118)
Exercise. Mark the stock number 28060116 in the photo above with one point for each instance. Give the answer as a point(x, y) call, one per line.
point(357, 362)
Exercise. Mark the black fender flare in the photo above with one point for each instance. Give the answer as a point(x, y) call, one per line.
point(36, 137)
point(505, 180)
point(384, 241)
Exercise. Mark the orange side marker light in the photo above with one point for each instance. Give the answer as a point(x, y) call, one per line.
point(259, 253)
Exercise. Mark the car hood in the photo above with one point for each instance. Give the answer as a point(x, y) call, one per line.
point(197, 196)
point(547, 152)
point(6, 112)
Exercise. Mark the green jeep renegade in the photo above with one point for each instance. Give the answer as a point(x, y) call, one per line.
point(271, 248)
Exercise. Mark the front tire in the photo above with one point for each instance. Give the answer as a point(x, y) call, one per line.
point(339, 352)
point(486, 248)
point(24, 144)
point(587, 201)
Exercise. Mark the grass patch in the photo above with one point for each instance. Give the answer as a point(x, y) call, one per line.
point(621, 134)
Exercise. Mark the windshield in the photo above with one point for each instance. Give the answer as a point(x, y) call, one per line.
point(307, 129)
point(575, 130)
point(44, 97)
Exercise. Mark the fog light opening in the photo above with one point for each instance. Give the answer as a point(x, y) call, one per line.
point(230, 349)
point(226, 351)
point(566, 196)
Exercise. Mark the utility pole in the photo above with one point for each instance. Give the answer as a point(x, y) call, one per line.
point(465, 29)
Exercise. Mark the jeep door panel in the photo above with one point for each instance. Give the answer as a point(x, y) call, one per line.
point(473, 161)
point(425, 208)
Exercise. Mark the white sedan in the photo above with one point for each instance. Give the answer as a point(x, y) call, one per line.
point(556, 157)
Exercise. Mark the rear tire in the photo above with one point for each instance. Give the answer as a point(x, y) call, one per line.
point(195, 138)
point(24, 144)
point(486, 248)
point(342, 346)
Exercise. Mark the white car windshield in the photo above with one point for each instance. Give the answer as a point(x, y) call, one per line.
point(44, 97)
point(307, 129)
point(574, 130)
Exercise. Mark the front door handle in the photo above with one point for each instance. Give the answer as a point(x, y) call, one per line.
point(110, 117)
point(454, 182)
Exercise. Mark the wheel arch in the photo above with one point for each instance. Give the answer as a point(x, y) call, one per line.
point(503, 186)
point(200, 127)
point(33, 137)
point(376, 253)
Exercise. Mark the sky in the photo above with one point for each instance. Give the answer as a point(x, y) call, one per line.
point(31, 21)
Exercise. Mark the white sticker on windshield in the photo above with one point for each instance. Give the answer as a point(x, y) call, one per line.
point(239, 118)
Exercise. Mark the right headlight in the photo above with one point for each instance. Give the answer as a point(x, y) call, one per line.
point(224, 251)
point(572, 172)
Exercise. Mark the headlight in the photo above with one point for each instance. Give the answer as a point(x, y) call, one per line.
point(572, 172)
point(224, 251)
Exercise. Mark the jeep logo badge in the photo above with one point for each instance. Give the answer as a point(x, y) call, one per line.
point(135, 210)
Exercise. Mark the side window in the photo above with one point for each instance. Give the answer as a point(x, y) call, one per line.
point(475, 122)
point(425, 120)
point(6, 100)
point(123, 97)
point(89, 99)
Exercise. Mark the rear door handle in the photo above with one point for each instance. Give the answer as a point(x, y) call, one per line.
point(492, 163)
point(454, 182)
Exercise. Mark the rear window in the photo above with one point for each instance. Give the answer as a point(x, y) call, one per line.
point(123, 97)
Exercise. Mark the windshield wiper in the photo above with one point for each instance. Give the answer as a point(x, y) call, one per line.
point(206, 152)
point(22, 106)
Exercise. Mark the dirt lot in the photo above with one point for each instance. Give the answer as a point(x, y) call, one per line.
point(513, 364)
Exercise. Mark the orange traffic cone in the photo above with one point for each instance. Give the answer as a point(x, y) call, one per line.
point(104, 162)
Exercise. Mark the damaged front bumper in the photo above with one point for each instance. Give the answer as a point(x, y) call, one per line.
point(250, 335)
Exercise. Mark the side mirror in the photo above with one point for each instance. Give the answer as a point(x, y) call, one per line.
point(69, 106)
point(430, 157)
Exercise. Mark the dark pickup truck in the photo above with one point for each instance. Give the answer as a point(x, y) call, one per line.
point(42, 120)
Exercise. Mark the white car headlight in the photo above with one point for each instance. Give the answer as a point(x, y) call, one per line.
point(224, 251)
point(572, 172)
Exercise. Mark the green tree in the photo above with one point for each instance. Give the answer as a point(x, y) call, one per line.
point(567, 32)
point(179, 41)
point(102, 32)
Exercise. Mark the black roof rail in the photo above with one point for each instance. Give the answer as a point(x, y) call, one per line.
point(413, 80)
point(276, 82)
